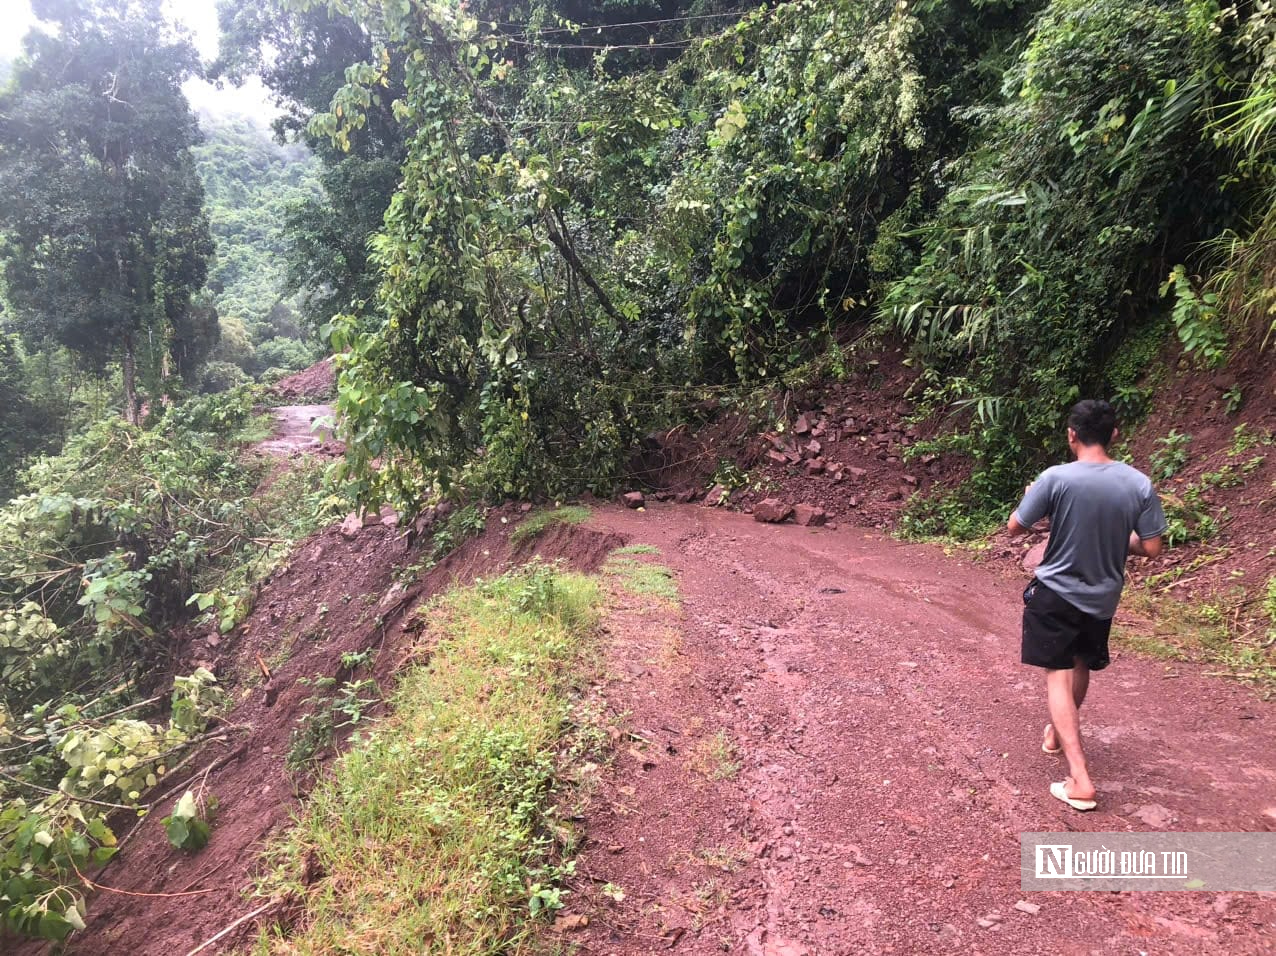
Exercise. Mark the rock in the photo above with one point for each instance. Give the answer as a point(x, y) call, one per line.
point(1155, 815)
point(664, 496)
point(352, 525)
point(812, 449)
point(633, 499)
point(570, 921)
point(717, 495)
point(779, 457)
point(802, 426)
point(525, 507)
point(910, 480)
point(771, 510)
point(777, 442)
point(857, 473)
point(1032, 909)
point(894, 496)
point(815, 466)
point(989, 921)
point(443, 509)
point(784, 853)
point(1036, 554)
point(807, 515)
point(684, 497)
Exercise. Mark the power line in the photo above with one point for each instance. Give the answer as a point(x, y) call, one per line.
point(598, 27)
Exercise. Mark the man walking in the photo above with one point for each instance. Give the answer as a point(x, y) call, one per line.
point(1100, 511)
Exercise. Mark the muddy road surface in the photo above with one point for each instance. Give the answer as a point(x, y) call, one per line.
point(295, 431)
point(830, 747)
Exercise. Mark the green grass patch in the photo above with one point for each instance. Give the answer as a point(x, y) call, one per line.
point(536, 523)
point(432, 832)
point(637, 549)
point(1201, 632)
point(642, 578)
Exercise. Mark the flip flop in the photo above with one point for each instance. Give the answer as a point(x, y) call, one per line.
point(1060, 792)
point(1044, 748)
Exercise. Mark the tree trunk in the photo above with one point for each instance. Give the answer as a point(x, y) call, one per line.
point(128, 366)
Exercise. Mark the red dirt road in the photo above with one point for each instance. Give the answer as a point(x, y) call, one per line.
point(887, 743)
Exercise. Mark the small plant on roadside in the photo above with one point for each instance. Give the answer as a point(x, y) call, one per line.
point(1188, 518)
point(1233, 398)
point(333, 709)
point(715, 757)
point(1243, 439)
point(1170, 456)
point(189, 825)
point(729, 475)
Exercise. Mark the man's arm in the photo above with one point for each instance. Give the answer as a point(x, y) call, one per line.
point(1149, 548)
point(1013, 525)
point(1034, 506)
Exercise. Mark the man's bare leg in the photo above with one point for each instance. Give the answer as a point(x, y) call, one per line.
point(1080, 684)
point(1060, 696)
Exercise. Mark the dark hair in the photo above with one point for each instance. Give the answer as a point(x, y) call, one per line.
point(1094, 421)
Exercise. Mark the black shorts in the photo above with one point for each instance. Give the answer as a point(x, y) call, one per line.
point(1055, 633)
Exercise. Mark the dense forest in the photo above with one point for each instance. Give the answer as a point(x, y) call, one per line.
point(252, 184)
point(532, 235)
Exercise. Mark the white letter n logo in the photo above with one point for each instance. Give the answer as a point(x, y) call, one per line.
point(1054, 861)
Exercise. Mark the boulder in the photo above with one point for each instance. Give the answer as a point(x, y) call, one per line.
point(808, 515)
point(812, 450)
point(1035, 555)
point(771, 510)
point(717, 495)
point(857, 473)
point(779, 457)
point(815, 466)
point(352, 525)
point(633, 499)
point(802, 425)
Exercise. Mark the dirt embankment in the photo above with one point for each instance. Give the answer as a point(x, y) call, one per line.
point(317, 383)
point(344, 593)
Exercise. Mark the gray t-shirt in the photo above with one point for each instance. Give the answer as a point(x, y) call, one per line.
point(1093, 508)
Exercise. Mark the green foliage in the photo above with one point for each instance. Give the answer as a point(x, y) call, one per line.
point(1170, 455)
point(251, 183)
point(1040, 251)
point(1188, 517)
point(102, 233)
point(46, 845)
point(98, 558)
point(1196, 317)
point(333, 707)
point(188, 826)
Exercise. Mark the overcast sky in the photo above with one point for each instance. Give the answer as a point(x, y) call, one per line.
point(201, 17)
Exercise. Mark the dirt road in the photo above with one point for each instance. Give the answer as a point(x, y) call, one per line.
point(833, 749)
point(295, 432)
